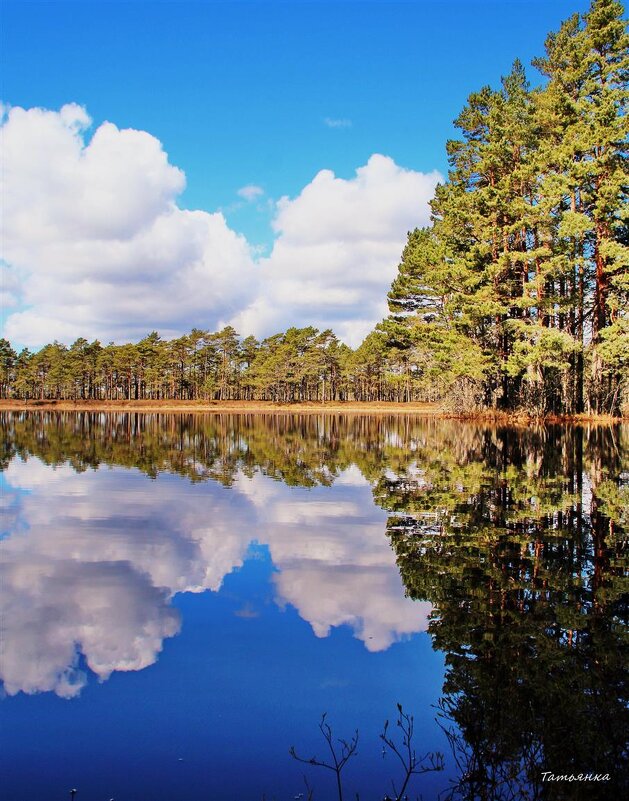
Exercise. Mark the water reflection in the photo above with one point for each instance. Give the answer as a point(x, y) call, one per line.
point(94, 557)
point(519, 545)
point(514, 538)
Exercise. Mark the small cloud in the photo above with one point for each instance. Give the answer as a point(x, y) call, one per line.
point(247, 612)
point(250, 192)
point(330, 122)
point(333, 684)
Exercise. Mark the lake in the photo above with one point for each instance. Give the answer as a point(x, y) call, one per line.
point(184, 596)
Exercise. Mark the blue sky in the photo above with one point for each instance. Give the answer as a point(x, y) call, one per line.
point(239, 93)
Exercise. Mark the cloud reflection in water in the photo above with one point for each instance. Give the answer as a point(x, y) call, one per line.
point(94, 559)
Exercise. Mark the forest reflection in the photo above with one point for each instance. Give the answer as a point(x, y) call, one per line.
point(520, 545)
point(515, 537)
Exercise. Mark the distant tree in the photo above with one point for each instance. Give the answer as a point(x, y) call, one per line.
point(8, 358)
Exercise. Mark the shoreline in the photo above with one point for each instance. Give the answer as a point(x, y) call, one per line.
point(269, 407)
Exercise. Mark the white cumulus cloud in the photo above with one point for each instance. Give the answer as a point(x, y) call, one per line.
point(92, 232)
point(337, 250)
point(95, 244)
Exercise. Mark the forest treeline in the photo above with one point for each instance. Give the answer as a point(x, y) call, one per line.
point(517, 296)
point(301, 364)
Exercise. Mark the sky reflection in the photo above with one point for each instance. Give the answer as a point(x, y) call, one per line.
point(93, 559)
point(275, 550)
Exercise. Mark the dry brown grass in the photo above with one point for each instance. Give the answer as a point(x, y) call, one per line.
point(234, 407)
point(268, 407)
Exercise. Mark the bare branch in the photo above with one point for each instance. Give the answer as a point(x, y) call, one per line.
point(412, 764)
point(340, 756)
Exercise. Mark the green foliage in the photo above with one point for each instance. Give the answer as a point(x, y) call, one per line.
point(527, 258)
point(537, 348)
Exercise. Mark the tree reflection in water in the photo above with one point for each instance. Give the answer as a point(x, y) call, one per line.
point(516, 536)
point(517, 541)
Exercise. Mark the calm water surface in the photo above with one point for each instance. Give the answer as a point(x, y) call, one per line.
point(184, 596)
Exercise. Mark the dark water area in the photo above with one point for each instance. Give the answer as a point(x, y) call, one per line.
point(183, 597)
